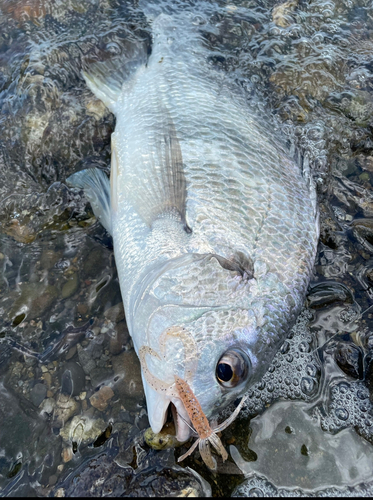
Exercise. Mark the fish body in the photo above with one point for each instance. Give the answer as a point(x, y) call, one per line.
point(214, 226)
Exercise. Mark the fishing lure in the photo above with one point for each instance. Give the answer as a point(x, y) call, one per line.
point(182, 390)
point(206, 434)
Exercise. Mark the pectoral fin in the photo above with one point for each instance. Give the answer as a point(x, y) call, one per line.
point(161, 185)
point(96, 186)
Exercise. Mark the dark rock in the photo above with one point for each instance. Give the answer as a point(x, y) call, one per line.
point(156, 476)
point(349, 358)
point(115, 313)
point(38, 394)
point(127, 381)
point(72, 379)
point(120, 339)
point(328, 292)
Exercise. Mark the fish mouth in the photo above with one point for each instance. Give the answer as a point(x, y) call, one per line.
point(174, 411)
point(162, 408)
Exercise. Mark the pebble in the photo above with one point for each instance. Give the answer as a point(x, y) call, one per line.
point(82, 429)
point(121, 338)
point(47, 377)
point(71, 352)
point(115, 314)
point(66, 407)
point(71, 286)
point(52, 480)
point(67, 454)
point(128, 382)
point(38, 394)
point(72, 379)
point(101, 398)
point(47, 406)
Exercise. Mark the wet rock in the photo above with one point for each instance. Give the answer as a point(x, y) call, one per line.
point(362, 230)
point(259, 486)
point(127, 381)
point(96, 108)
point(82, 430)
point(85, 359)
point(159, 476)
point(100, 375)
point(47, 377)
point(94, 262)
point(20, 232)
point(38, 394)
point(101, 398)
point(328, 292)
point(67, 454)
point(72, 379)
point(308, 457)
point(281, 14)
point(368, 374)
point(35, 299)
point(119, 339)
point(82, 309)
point(71, 286)
point(115, 314)
point(349, 358)
point(66, 407)
point(47, 407)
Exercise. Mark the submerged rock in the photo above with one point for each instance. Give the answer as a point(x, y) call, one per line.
point(101, 398)
point(156, 476)
point(308, 457)
point(82, 430)
point(66, 407)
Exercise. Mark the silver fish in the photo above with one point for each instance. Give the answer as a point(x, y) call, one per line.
point(214, 226)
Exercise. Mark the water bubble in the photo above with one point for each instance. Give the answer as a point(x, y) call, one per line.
point(361, 394)
point(342, 413)
point(256, 492)
point(285, 347)
point(289, 358)
point(307, 385)
point(311, 370)
point(304, 347)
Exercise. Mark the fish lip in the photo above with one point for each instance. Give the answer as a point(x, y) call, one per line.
point(181, 420)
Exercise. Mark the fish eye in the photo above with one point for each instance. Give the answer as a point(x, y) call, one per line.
point(232, 368)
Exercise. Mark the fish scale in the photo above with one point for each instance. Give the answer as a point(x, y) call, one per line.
point(214, 227)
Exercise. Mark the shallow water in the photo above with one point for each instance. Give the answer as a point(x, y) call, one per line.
point(72, 408)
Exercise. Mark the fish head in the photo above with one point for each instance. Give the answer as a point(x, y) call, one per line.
point(202, 322)
point(217, 368)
